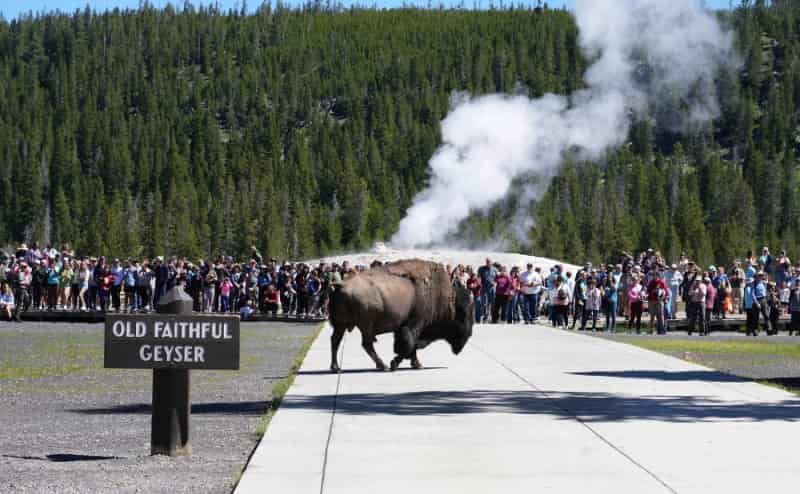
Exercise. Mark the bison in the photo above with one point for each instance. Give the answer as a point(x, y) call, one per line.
point(413, 299)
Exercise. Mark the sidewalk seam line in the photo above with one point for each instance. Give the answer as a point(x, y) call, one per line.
point(577, 419)
point(333, 415)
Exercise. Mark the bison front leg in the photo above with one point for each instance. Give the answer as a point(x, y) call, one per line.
point(403, 346)
point(336, 340)
point(415, 363)
point(367, 342)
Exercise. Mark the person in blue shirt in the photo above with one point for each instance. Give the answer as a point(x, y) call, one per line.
point(760, 292)
point(611, 302)
point(749, 272)
point(116, 287)
point(751, 309)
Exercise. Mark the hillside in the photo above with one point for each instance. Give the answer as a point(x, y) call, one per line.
point(308, 132)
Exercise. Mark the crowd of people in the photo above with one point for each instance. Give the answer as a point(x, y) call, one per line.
point(45, 278)
point(762, 287)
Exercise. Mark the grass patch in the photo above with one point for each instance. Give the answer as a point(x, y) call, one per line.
point(281, 387)
point(718, 347)
point(13, 372)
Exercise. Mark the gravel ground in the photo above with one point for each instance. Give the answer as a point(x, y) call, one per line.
point(72, 426)
point(773, 359)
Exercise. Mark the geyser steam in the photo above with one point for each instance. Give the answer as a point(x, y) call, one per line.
point(490, 140)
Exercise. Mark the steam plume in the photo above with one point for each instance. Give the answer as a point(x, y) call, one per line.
point(490, 140)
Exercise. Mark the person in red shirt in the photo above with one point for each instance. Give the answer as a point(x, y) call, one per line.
point(271, 298)
point(503, 290)
point(657, 294)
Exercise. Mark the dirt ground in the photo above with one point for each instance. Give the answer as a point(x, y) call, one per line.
point(72, 426)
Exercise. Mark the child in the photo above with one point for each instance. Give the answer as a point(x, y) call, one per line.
point(7, 301)
point(592, 305)
point(784, 297)
point(225, 292)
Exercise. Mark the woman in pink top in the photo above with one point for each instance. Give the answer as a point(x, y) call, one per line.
point(225, 292)
point(636, 296)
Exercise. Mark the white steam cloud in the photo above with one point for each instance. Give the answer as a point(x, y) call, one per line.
point(488, 141)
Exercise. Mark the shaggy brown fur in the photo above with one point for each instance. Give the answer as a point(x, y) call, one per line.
point(404, 297)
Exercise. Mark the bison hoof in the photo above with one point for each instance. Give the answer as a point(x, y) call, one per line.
point(335, 369)
point(416, 364)
point(381, 366)
point(395, 364)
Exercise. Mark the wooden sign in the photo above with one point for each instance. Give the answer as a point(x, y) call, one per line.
point(165, 341)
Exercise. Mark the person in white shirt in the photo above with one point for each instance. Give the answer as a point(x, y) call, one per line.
point(592, 305)
point(674, 279)
point(530, 282)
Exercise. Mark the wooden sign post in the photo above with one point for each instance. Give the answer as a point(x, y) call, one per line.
point(171, 342)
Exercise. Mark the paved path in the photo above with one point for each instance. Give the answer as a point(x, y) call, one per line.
point(525, 410)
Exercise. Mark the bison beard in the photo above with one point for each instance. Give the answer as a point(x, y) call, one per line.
point(414, 299)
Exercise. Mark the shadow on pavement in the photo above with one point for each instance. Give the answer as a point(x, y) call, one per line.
point(699, 375)
point(363, 371)
point(223, 408)
point(588, 406)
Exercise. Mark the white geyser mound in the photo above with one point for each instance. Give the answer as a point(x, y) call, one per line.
point(488, 141)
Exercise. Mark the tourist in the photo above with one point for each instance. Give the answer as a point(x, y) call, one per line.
point(760, 290)
point(7, 301)
point(657, 295)
point(560, 302)
point(697, 305)
point(635, 299)
point(774, 302)
point(530, 287)
point(488, 274)
point(503, 289)
point(711, 299)
point(474, 286)
point(592, 303)
point(794, 308)
point(737, 287)
point(751, 308)
point(610, 300)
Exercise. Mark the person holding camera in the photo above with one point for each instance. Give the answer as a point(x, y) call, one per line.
point(697, 305)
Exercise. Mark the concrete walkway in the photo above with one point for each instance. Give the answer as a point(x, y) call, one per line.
point(526, 410)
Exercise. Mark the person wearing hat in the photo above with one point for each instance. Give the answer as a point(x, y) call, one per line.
point(657, 295)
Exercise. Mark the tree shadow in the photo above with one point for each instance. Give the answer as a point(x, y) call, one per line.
point(222, 408)
point(672, 376)
point(587, 406)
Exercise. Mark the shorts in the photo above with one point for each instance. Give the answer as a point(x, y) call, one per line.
point(653, 306)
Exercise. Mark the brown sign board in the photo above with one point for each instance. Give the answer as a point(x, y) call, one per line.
point(167, 341)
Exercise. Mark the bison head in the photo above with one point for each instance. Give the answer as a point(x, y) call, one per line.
point(465, 317)
point(455, 331)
